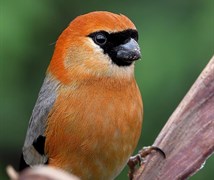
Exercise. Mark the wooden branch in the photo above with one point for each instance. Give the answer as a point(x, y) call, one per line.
point(41, 172)
point(188, 136)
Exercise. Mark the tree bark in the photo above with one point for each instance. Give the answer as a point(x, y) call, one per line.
point(188, 136)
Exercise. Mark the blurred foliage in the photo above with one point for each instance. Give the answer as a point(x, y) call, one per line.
point(176, 37)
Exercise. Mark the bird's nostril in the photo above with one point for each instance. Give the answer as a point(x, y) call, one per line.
point(126, 40)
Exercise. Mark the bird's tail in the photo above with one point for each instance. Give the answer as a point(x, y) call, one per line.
point(22, 164)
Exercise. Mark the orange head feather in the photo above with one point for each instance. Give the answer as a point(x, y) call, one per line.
point(76, 55)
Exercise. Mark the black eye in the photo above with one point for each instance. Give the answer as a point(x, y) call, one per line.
point(100, 39)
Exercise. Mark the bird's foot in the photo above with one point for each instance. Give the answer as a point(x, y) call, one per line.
point(139, 159)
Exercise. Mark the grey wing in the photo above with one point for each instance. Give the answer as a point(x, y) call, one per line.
point(38, 122)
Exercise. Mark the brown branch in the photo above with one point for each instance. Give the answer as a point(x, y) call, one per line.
point(41, 172)
point(188, 136)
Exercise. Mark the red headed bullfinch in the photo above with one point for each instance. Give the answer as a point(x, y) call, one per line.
point(88, 116)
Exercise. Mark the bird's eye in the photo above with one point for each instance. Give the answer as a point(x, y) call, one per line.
point(100, 39)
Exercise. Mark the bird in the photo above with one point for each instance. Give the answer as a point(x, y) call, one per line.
point(88, 117)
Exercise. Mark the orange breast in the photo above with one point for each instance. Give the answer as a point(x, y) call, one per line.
point(94, 128)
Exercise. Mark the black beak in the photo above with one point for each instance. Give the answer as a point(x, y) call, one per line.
point(128, 52)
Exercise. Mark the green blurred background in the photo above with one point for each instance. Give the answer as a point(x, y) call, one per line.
point(176, 38)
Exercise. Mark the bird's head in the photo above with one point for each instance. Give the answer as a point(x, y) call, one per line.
point(99, 44)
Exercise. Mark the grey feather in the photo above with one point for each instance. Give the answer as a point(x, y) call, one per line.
point(38, 121)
